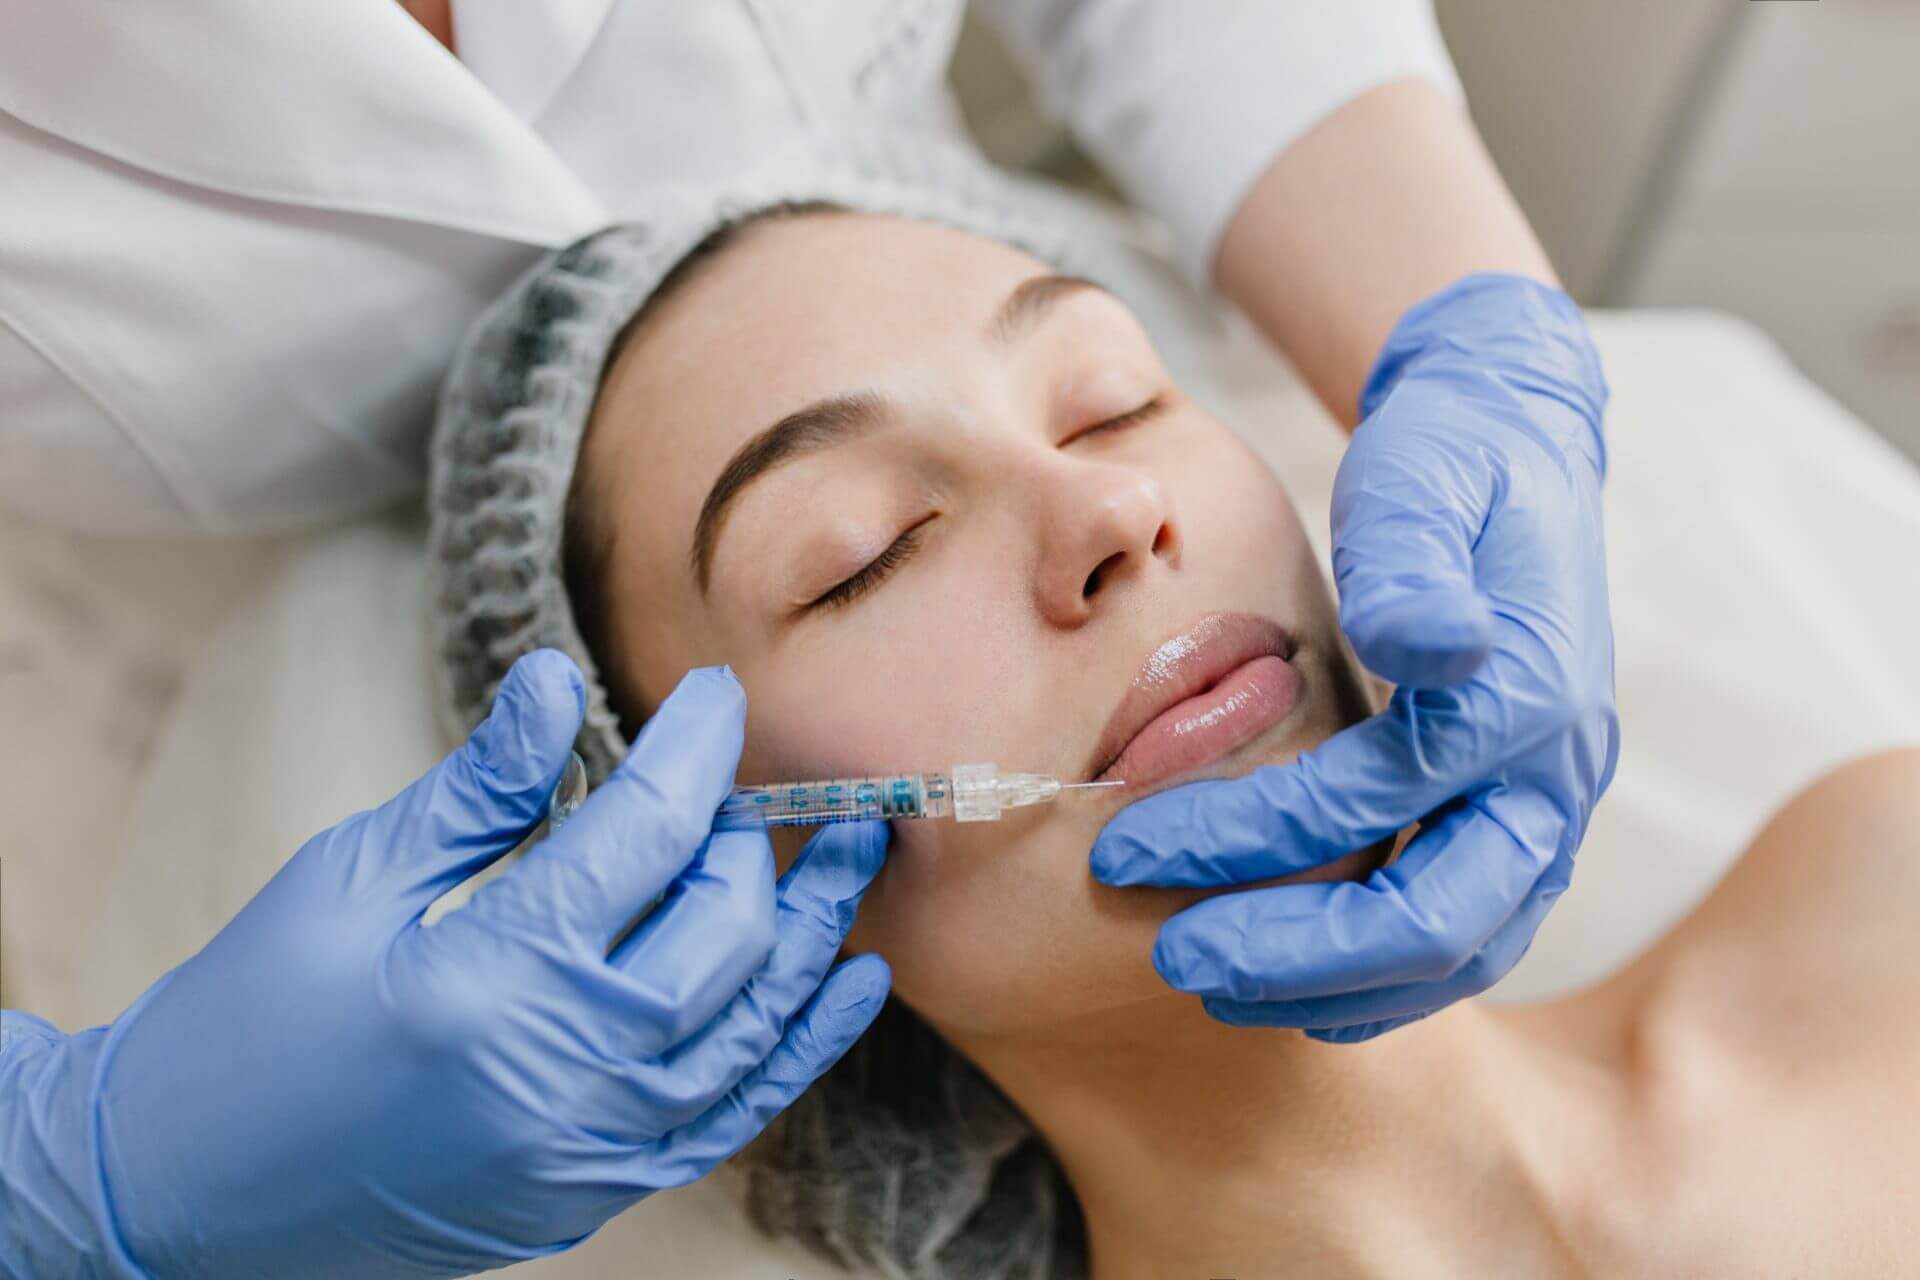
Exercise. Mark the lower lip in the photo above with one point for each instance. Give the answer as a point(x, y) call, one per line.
point(1242, 705)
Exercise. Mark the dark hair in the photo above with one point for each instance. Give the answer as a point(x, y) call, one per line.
point(904, 1156)
point(586, 536)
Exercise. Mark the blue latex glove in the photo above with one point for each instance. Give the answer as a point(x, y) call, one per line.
point(331, 1089)
point(1467, 552)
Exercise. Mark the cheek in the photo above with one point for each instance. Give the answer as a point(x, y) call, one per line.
point(1242, 530)
point(1229, 503)
point(930, 672)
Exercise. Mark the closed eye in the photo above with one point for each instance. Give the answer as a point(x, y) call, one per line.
point(1131, 418)
point(872, 575)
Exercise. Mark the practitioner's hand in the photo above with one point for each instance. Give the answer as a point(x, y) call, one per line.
point(331, 1089)
point(1467, 551)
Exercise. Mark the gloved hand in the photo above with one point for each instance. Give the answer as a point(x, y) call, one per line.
point(1467, 553)
point(331, 1089)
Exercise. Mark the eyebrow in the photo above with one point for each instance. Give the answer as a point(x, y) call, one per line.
point(821, 425)
point(837, 420)
point(1030, 302)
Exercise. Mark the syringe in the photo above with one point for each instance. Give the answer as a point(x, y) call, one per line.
point(966, 793)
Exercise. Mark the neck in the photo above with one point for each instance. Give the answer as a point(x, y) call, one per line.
point(1196, 1148)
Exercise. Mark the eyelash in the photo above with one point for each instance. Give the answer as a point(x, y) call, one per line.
point(873, 574)
point(1131, 418)
point(876, 570)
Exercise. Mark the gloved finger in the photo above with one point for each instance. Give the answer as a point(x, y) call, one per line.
point(1365, 1031)
point(693, 952)
point(640, 828)
point(818, 897)
point(1350, 1016)
point(1360, 786)
point(1416, 920)
point(817, 1037)
point(1403, 542)
point(481, 801)
point(1288, 1015)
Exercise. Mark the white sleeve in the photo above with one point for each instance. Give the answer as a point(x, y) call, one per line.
point(1186, 104)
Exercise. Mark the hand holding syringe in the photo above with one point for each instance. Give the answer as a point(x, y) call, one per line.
point(966, 793)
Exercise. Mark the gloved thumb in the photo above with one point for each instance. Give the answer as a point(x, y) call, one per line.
point(522, 745)
point(1403, 564)
point(479, 802)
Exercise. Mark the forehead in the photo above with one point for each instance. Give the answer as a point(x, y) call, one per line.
point(801, 308)
point(793, 311)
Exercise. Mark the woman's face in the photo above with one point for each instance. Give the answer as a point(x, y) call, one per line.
point(935, 505)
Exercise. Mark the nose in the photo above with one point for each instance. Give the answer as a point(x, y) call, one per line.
point(1105, 524)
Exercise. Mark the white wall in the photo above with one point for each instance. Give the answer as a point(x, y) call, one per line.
point(1758, 158)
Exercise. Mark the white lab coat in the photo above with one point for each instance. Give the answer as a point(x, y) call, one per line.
point(239, 241)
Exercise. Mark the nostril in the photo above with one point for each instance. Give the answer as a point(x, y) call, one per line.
point(1100, 571)
point(1163, 540)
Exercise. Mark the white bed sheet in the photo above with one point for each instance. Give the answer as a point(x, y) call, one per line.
point(180, 718)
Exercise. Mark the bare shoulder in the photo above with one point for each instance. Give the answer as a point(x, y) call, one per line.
point(1814, 928)
point(1845, 852)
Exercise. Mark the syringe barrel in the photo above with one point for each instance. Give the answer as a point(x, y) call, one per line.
point(807, 804)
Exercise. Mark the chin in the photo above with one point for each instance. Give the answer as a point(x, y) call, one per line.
point(1000, 928)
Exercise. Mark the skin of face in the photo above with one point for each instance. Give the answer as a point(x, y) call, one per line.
point(1052, 553)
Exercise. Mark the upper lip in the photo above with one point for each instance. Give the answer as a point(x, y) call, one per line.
point(1181, 666)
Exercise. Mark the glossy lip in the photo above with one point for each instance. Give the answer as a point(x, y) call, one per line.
point(1231, 654)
